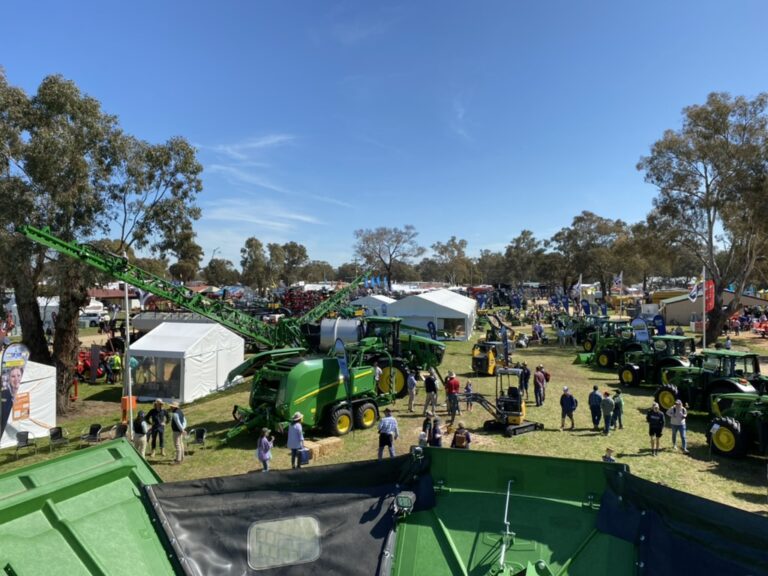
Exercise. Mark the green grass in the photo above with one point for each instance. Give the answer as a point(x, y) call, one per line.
point(739, 483)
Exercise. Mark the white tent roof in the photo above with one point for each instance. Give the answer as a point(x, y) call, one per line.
point(450, 305)
point(174, 339)
point(375, 300)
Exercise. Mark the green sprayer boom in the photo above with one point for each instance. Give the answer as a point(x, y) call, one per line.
point(286, 332)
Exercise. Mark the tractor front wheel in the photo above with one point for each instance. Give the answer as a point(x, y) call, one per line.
point(665, 396)
point(629, 375)
point(588, 345)
point(725, 437)
point(366, 415)
point(605, 359)
point(341, 422)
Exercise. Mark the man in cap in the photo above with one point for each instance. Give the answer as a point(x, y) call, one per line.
point(295, 439)
point(568, 406)
point(388, 433)
point(430, 390)
point(157, 417)
point(608, 456)
point(452, 388)
point(677, 415)
point(607, 405)
point(179, 427)
point(594, 406)
point(655, 419)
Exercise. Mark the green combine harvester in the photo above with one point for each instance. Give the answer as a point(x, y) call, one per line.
point(436, 512)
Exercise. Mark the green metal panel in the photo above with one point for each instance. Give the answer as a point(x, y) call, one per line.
point(315, 384)
point(552, 512)
point(82, 513)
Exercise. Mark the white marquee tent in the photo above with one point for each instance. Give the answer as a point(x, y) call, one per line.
point(375, 303)
point(448, 310)
point(34, 408)
point(184, 361)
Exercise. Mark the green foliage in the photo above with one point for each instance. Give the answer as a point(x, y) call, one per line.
point(221, 272)
point(382, 248)
point(711, 175)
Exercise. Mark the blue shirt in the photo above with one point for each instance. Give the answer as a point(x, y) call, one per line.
point(388, 425)
point(295, 436)
point(411, 382)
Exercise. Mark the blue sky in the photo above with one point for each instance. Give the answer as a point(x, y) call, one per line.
point(474, 119)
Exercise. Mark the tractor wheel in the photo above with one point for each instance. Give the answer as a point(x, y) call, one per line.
point(366, 415)
point(341, 422)
point(588, 345)
point(665, 396)
point(396, 371)
point(605, 359)
point(727, 439)
point(629, 375)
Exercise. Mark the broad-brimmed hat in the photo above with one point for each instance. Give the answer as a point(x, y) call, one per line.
point(565, 388)
point(174, 405)
point(158, 401)
point(297, 416)
point(451, 374)
point(679, 402)
point(265, 430)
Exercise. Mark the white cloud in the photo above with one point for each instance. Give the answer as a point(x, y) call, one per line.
point(243, 150)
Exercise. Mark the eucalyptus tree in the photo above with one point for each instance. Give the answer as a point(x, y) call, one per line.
point(383, 248)
point(711, 178)
point(66, 165)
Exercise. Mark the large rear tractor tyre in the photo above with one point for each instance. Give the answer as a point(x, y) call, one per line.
point(588, 345)
point(665, 396)
point(629, 375)
point(366, 415)
point(726, 439)
point(606, 359)
point(341, 422)
point(398, 372)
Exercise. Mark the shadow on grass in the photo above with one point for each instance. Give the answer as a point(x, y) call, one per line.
point(754, 499)
point(108, 394)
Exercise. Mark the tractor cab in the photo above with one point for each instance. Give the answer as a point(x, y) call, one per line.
point(386, 330)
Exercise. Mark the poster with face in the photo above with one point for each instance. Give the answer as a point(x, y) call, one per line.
point(12, 367)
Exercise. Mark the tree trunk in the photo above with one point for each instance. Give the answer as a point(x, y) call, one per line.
point(73, 295)
point(32, 333)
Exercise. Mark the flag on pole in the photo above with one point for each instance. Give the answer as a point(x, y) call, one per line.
point(695, 291)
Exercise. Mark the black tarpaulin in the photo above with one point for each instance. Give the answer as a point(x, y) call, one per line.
point(208, 521)
point(676, 532)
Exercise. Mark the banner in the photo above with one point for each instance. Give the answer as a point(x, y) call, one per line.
point(640, 329)
point(709, 296)
point(12, 372)
point(661, 327)
point(585, 306)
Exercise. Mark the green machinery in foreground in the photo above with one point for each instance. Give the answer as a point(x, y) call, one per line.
point(740, 424)
point(433, 511)
point(299, 369)
point(647, 364)
point(710, 372)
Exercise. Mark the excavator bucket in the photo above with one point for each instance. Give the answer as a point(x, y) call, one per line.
point(584, 358)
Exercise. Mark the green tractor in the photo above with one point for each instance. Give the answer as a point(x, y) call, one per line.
point(584, 329)
point(710, 372)
point(646, 365)
point(740, 424)
point(613, 339)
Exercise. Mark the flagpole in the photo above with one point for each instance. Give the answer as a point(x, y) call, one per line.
point(580, 294)
point(704, 307)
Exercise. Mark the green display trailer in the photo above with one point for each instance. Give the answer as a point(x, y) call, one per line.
point(435, 511)
point(83, 513)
